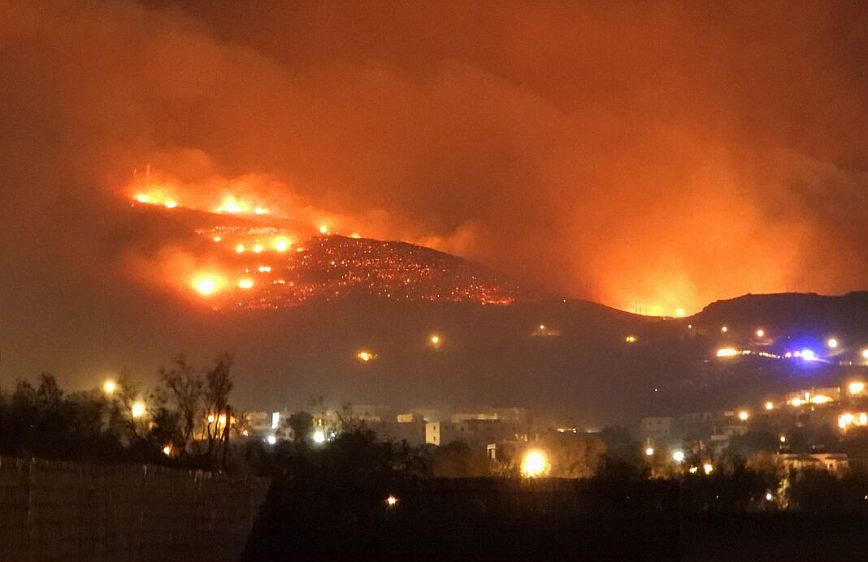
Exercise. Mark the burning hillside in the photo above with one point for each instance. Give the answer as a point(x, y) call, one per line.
point(245, 253)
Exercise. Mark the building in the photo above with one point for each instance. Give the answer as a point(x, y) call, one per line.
point(657, 429)
point(836, 463)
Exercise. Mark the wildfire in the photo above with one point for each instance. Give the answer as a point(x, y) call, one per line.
point(264, 258)
point(281, 243)
point(207, 284)
point(234, 205)
point(156, 197)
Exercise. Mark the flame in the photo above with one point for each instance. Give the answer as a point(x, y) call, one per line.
point(281, 243)
point(207, 284)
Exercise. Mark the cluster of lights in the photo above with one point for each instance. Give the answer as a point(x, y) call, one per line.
point(848, 420)
point(806, 354)
point(630, 339)
point(816, 399)
point(707, 468)
point(365, 356)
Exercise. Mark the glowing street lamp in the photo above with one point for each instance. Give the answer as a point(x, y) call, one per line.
point(319, 437)
point(534, 464)
point(856, 387)
point(391, 501)
point(832, 343)
point(760, 333)
point(365, 356)
point(109, 387)
point(678, 456)
point(271, 439)
point(708, 468)
point(770, 406)
point(138, 409)
point(649, 451)
point(724, 329)
point(435, 341)
point(743, 415)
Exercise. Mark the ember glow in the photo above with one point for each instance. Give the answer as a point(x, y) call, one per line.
point(254, 248)
point(207, 284)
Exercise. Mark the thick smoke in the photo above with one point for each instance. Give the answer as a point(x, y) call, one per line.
point(657, 154)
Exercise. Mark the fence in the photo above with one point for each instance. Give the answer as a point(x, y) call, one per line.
point(72, 512)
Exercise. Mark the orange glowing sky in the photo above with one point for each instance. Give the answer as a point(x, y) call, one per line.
point(652, 157)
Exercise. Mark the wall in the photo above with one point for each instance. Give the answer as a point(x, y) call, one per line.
point(64, 511)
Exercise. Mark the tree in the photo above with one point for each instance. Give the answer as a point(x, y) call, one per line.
point(301, 425)
point(457, 460)
point(218, 385)
point(184, 386)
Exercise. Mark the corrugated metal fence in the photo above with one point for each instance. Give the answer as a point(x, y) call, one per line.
point(73, 512)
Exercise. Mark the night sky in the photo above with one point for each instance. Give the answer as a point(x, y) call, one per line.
point(654, 153)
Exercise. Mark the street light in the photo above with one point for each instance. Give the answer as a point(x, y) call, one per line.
point(678, 456)
point(832, 343)
point(649, 452)
point(319, 437)
point(138, 409)
point(743, 415)
point(109, 387)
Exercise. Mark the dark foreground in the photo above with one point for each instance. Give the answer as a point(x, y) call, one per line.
point(498, 520)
